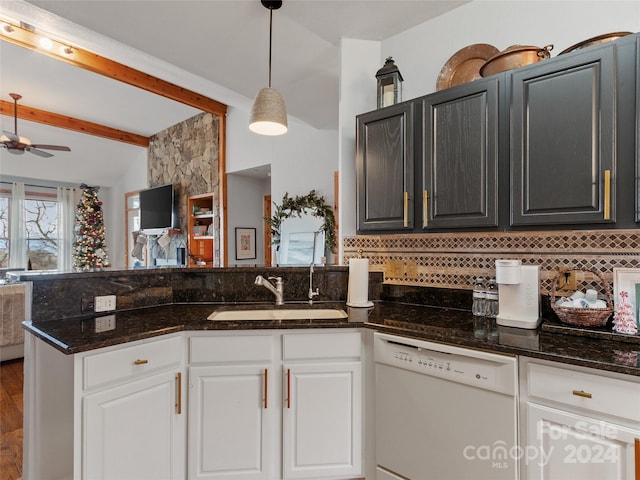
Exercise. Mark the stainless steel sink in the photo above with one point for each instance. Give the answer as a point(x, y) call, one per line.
point(279, 314)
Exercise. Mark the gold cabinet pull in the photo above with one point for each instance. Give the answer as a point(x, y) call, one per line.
point(406, 210)
point(425, 208)
point(288, 388)
point(179, 393)
point(140, 362)
point(266, 387)
point(607, 194)
point(637, 457)
point(581, 393)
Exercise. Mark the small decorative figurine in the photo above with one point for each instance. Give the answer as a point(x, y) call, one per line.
point(623, 321)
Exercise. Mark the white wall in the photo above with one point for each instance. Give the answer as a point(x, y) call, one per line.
point(245, 209)
point(303, 159)
point(421, 52)
point(357, 94)
point(114, 208)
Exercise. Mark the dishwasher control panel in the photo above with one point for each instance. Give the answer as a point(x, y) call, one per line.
point(471, 367)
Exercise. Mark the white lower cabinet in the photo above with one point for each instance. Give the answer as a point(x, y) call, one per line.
point(114, 413)
point(132, 431)
point(229, 422)
point(578, 424)
point(274, 405)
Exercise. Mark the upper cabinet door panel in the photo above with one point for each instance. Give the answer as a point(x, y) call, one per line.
point(460, 156)
point(563, 140)
point(637, 122)
point(384, 161)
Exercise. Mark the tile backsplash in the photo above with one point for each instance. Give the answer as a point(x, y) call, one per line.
point(453, 260)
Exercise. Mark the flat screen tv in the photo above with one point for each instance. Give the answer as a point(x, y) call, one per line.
point(157, 209)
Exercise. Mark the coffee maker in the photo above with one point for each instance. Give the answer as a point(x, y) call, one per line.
point(519, 294)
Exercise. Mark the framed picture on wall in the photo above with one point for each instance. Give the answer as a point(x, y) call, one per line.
point(245, 243)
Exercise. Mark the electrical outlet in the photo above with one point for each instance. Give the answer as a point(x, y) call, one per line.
point(567, 280)
point(105, 303)
point(105, 323)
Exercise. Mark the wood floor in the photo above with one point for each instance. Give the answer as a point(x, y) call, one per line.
point(11, 413)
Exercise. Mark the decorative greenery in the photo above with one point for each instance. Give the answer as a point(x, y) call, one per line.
point(310, 204)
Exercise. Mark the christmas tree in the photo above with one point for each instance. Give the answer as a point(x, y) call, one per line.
point(89, 245)
point(623, 321)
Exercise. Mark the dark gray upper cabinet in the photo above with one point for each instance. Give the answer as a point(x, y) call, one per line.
point(459, 157)
point(551, 145)
point(563, 139)
point(385, 164)
point(637, 129)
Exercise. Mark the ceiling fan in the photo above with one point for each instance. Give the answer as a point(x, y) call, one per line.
point(17, 145)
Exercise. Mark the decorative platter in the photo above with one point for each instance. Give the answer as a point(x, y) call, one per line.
point(464, 65)
point(607, 37)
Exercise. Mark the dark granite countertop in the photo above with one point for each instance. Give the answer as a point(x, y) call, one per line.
point(446, 325)
point(458, 327)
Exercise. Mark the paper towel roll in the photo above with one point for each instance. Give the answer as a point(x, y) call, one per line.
point(358, 292)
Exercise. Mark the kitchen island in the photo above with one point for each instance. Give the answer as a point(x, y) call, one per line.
point(164, 359)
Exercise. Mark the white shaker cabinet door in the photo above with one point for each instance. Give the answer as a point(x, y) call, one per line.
point(322, 420)
point(230, 422)
point(134, 431)
point(566, 446)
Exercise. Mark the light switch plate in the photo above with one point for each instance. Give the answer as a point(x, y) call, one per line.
point(105, 303)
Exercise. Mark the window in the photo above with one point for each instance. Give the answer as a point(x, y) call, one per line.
point(30, 227)
point(132, 215)
point(41, 222)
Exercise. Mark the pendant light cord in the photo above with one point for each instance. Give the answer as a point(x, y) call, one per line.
point(270, 40)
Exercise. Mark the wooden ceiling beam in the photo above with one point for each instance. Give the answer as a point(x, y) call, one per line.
point(109, 68)
point(75, 124)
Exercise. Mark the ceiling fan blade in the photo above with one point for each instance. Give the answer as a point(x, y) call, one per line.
point(11, 136)
point(52, 147)
point(40, 153)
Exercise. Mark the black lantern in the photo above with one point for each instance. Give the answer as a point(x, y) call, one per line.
point(389, 84)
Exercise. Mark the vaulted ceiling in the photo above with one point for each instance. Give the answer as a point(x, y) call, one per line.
point(222, 41)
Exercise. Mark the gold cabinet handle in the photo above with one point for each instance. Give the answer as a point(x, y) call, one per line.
point(179, 393)
point(581, 393)
point(607, 194)
point(425, 208)
point(266, 387)
point(406, 210)
point(140, 362)
point(637, 457)
point(288, 388)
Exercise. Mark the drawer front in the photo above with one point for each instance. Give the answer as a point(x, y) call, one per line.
point(231, 349)
point(131, 361)
point(321, 345)
point(611, 396)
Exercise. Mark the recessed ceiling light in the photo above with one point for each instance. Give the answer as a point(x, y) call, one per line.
point(45, 43)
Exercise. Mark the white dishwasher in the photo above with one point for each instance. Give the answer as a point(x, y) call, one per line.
point(444, 412)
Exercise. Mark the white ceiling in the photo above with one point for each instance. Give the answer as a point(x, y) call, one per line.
point(223, 41)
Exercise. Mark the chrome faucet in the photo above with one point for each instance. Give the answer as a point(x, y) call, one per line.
point(311, 292)
point(277, 290)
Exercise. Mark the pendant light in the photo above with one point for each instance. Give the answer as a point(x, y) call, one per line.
point(268, 113)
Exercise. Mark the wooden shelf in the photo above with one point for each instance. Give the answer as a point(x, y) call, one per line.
point(201, 247)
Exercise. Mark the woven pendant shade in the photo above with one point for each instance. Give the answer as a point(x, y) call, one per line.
point(268, 113)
